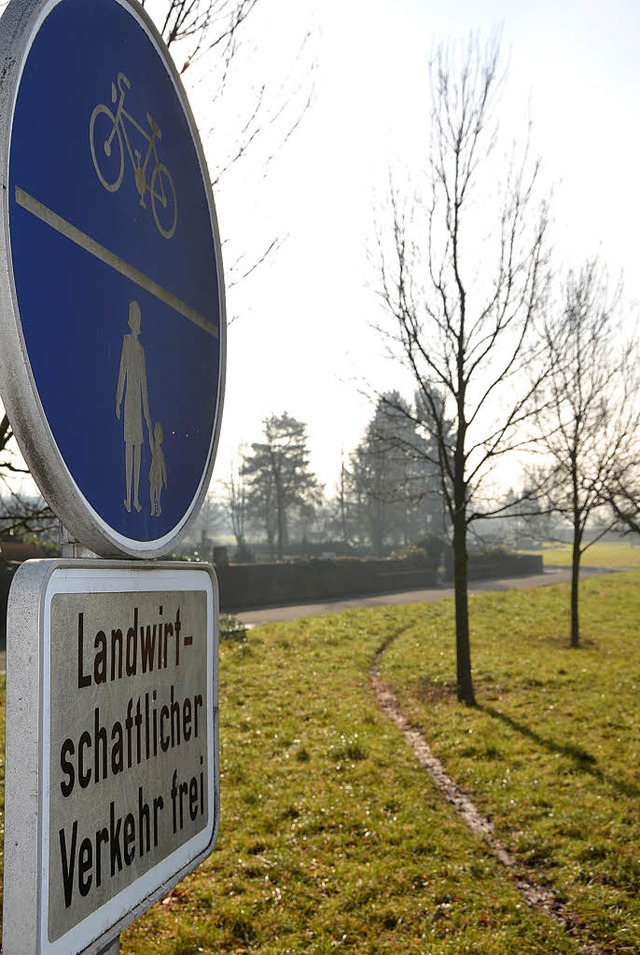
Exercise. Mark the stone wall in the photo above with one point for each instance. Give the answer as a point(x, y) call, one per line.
point(255, 585)
point(261, 585)
point(495, 564)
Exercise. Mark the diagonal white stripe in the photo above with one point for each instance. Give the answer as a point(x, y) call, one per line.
point(90, 245)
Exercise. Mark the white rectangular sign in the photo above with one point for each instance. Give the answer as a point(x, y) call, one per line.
point(112, 775)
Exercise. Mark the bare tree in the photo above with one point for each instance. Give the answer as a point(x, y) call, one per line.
point(588, 415)
point(198, 26)
point(19, 514)
point(236, 493)
point(6, 434)
point(462, 269)
point(209, 41)
point(623, 495)
point(343, 505)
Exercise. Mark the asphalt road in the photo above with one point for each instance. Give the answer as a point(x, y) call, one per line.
point(279, 614)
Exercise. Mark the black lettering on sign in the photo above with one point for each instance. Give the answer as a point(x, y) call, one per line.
point(84, 679)
point(111, 847)
point(66, 764)
point(85, 865)
point(100, 659)
point(143, 649)
point(187, 798)
point(114, 841)
point(68, 862)
point(132, 645)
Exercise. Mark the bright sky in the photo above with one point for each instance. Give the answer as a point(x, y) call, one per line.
point(302, 340)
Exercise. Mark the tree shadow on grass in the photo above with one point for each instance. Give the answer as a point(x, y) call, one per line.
point(582, 759)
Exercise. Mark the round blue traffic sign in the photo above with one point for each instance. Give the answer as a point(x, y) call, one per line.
point(112, 286)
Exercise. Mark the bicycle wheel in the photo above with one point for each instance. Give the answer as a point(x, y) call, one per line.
point(163, 201)
point(107, 150)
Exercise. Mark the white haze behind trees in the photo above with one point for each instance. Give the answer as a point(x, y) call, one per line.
point(305, 340)
point(303, 337)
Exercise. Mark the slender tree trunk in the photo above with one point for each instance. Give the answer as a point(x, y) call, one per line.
point(575, 583)
point(377, 529)
point(343, 506)
point(279, 541)
point(280, 516)
point(576, 545)
point(460, 556)
point(461, 590)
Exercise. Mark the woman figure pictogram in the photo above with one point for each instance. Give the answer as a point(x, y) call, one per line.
point(132, 384)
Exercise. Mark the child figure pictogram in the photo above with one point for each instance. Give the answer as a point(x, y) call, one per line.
point(158, 469)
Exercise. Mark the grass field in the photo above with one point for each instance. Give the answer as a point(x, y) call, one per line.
point(334, 839)
point(618, 555)
point(552, 752)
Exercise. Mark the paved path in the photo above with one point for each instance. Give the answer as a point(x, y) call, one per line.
point(280, 614)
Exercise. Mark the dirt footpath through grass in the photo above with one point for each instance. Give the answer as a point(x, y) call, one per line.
point(537, 896)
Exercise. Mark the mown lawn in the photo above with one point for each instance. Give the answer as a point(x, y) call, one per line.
point(618, 555)
point(332, 837)
point(552, 752)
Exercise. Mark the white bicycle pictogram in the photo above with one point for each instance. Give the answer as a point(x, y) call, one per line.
point(108, 136)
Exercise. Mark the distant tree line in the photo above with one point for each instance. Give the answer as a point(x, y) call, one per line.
point(387, 494)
